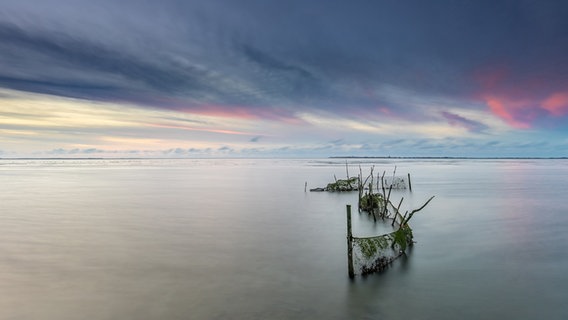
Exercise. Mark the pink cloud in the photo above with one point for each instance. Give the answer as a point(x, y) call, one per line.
point(225, 111)
point(188, 128)
point(556, 104)
point(508, 110)
point(519, 101)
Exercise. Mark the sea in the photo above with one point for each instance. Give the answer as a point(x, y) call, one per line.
point(246, 239)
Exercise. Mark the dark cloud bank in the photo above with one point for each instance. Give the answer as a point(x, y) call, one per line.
point(276, 57)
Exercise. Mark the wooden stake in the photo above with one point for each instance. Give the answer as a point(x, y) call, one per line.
point(383, 185)
point(393, 174)
point(360, 190)
point(397, 213)
point(409, 184)
point(378, 180)
point(387, 201)
point(349, 244)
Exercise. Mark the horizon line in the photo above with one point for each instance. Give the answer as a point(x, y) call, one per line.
point(329, 157)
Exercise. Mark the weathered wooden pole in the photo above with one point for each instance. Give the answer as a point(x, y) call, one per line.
point(409, 184)
point(349, 244)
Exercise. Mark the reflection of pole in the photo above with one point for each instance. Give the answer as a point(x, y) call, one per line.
point(349, 244)
point(409, 185)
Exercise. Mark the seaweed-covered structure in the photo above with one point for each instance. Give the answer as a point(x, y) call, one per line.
point(349, 184)
point(371, 254)
point(358, 184)
point(374, 254)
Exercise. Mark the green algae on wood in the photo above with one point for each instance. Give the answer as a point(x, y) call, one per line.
point(341, 185)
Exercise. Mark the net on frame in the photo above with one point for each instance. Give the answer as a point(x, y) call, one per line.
point(397, 183)
point(373, 254)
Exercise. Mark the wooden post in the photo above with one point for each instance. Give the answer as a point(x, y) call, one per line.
point(387, 202)
point(349, 244)
point(409, 184)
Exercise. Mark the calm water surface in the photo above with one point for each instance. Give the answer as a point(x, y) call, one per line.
point(240, 239)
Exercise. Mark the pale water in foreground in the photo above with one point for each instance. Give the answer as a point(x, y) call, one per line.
point(240, 239)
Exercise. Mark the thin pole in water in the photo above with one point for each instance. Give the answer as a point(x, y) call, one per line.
point(349, 244)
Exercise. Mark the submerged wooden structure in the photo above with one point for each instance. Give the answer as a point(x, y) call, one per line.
point(357, 184)
point(373, 254)
point(378, 252)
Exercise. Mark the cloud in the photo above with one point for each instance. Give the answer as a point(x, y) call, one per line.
point(470, 125)
point(77, 151)
point(523, 101)
point(271, 63)
point(215, 71)
point(556, 104)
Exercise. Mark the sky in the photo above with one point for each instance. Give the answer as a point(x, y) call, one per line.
point(295, 78)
